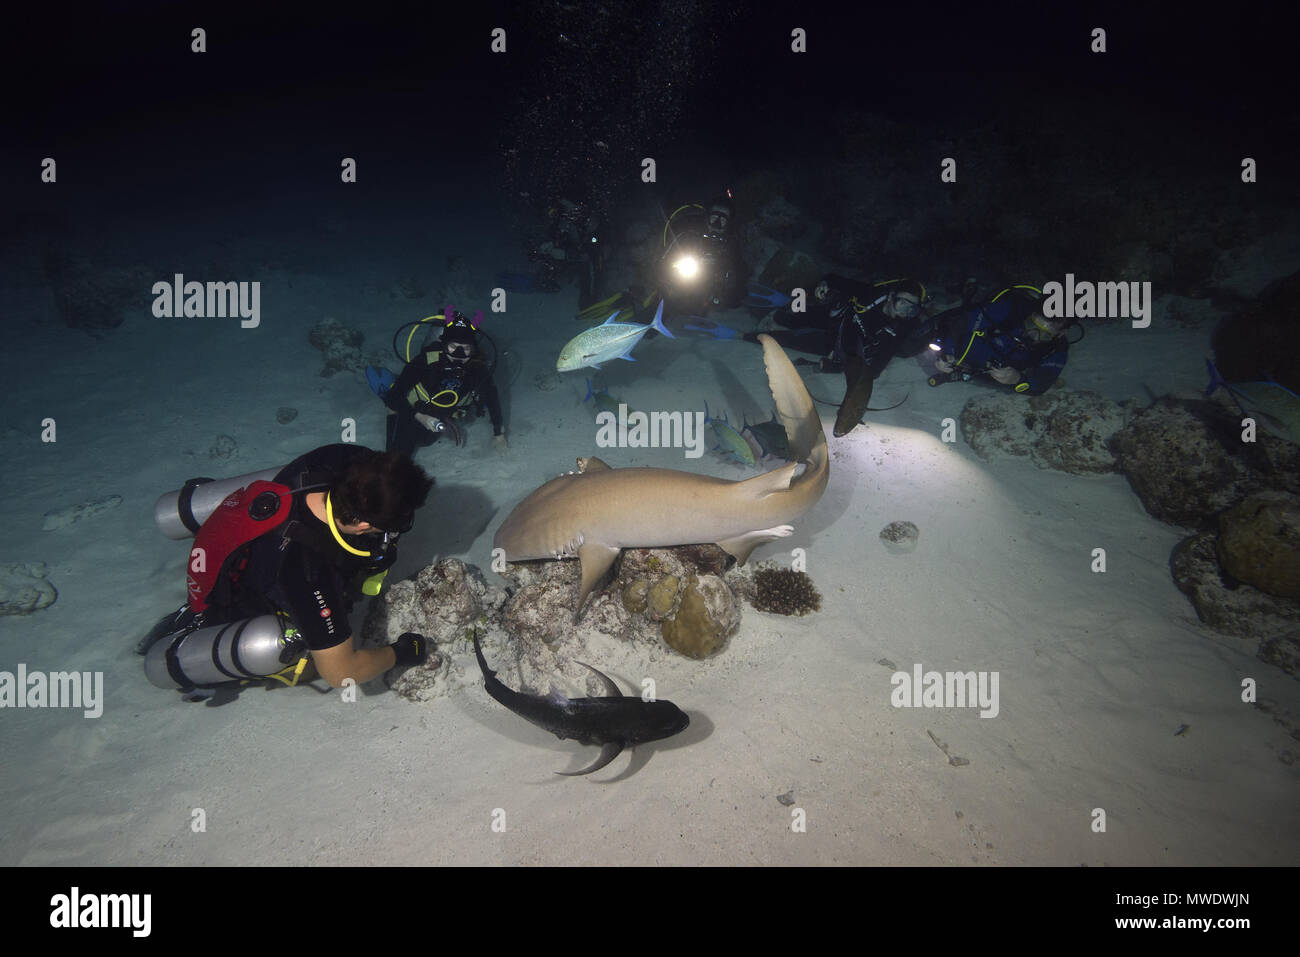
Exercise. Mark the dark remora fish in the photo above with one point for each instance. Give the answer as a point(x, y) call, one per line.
point(858, 383)
point(770, 436)
point(613, 722)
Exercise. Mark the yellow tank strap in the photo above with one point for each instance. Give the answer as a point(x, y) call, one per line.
point(290, 680)
point(419, 389)
point(978, 333)
point(1009, 288)
point(670, 219)
point(889, 282)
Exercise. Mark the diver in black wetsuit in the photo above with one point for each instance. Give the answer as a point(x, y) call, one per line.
point(572, 249)
point(874, 321)
point(454, 379)
point(857, 328)
point(702, 268)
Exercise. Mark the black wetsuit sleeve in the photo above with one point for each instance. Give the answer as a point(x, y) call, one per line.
point(414, 372)
point(318, 608)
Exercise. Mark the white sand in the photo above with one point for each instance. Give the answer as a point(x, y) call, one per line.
point(1097, 671)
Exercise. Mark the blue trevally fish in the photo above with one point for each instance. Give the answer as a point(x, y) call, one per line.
point(610, 340)
point(1276, 406)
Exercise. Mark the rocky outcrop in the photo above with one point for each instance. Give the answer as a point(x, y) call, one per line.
point(1259, 543)
point(341, 346)
point(1184, 458)
point(1237, 609)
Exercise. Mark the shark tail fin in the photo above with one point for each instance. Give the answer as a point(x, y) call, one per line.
point(803, 427)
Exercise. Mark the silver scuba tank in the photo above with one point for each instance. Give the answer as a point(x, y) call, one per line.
point(251, 648)
point(180, 513)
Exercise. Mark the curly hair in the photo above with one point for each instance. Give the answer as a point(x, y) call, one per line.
point(384, 490)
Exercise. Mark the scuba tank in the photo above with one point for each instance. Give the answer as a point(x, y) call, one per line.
point(179, 513)
point(250, 649)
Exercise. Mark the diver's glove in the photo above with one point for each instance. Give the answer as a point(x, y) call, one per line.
point(411, 649)
point(1005, 375)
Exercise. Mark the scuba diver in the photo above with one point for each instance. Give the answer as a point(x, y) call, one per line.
point(856, 327)
point(276, 567)
point(1007, 338)
point(701, 267)
point(571, 250)
point(447, 380)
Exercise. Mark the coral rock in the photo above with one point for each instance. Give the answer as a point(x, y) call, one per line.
point(900, 537)
point(1259, 543)
point(707, 616)
point(1238, 610)
point(785, 592)
point(1185, 460)
point(440, 602)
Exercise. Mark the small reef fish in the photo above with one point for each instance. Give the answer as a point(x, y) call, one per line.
point(1275, 406)
point(610, 340)
point(769, 435)
point(613, 722)
point(602, 401)
point(730, 441)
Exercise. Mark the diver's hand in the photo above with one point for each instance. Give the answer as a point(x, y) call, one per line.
point(411, 648)
point(943, 365)
point(1006, 375)
point(499, 444)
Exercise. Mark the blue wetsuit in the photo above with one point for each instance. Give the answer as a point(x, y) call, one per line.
point(993, 335)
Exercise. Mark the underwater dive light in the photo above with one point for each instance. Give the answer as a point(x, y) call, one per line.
point(687, 267)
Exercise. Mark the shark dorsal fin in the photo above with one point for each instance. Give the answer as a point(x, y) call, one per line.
point(592, 464)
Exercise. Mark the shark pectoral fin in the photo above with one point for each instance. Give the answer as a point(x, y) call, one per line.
point(740, 546)
point(607, 754)
point(777, 480)
point(592, 464)
point(596, 560)
point(604, 679)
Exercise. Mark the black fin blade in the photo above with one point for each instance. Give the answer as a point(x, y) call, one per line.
point(607, 754)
